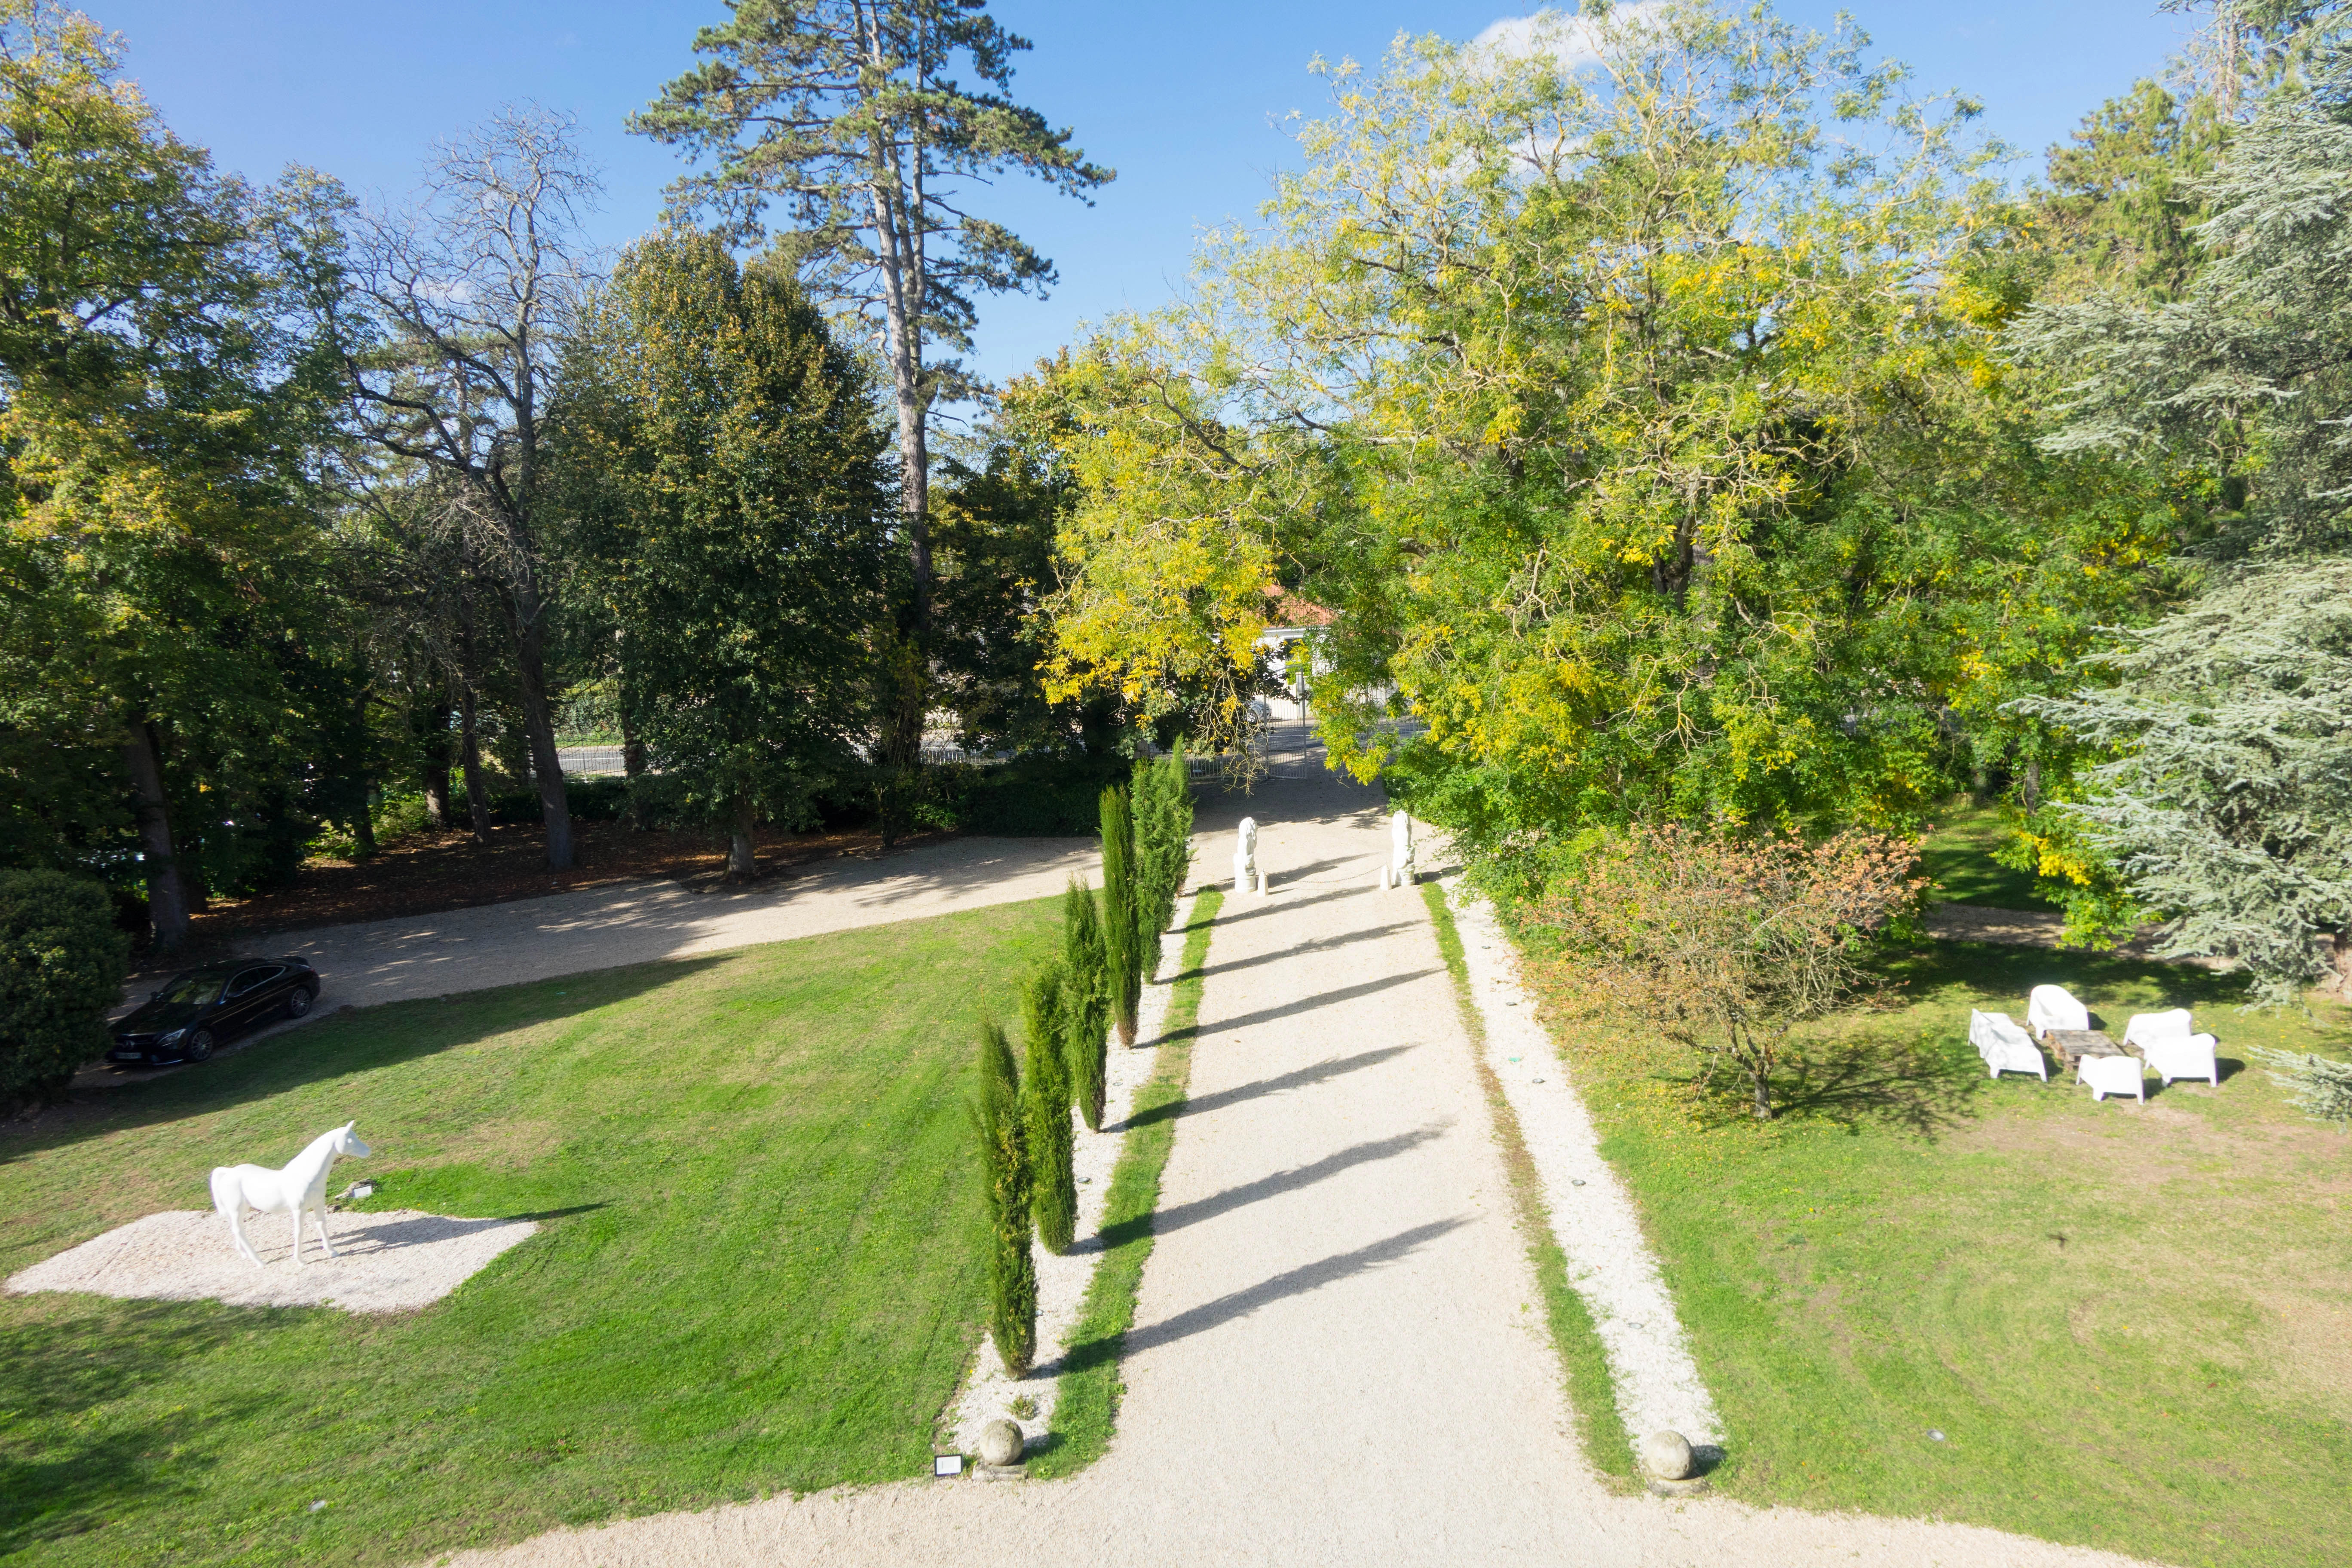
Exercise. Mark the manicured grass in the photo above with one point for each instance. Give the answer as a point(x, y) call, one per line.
point(1085, 1400)
point(759, 1268)
point(1591, 1393)
point(1957, 860)
point(2129, 1322)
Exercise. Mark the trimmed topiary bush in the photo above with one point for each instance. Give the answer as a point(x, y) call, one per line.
point(1086, 1003)
point(62, 960)
point(996, 1118)
point(1045, 1101)
point(1122, 933)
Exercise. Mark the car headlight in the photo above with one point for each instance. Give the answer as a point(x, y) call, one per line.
point(173, 1039)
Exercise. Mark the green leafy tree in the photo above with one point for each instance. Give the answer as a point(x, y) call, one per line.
point(2122, 200)
point(61, 967)
point(1046, 1090)
point(175, 667)
point(720, 446)
point(845, 113)
point(1650, 445)
point(451, 332)
point(1085, 1002)
point(1123, 936)
point(2225, 808)
point(1002, 1132)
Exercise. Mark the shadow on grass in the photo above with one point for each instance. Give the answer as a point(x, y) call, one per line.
point(335, 1047)
point(1880, 1079)
point(63, 1488)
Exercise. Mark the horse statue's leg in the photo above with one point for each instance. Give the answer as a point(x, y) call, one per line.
point(319, 1213)
point(296, 1206)
point(228, 1199)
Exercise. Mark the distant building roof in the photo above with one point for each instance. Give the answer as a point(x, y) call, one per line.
point(1288, 610)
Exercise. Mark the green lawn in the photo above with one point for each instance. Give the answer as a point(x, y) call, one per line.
point(2132, 1324)
point(759, 1268)
point(1957, 859)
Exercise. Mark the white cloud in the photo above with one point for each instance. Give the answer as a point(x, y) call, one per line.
point(1570, 40)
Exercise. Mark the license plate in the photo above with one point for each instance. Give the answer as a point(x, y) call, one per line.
point(127, 1057)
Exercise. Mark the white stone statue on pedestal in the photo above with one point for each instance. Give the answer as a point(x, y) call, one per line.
point(1246, 875)
point(300, 1189)
point(1399, 872)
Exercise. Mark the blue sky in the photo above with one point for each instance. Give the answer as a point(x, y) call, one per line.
point(1181, 99)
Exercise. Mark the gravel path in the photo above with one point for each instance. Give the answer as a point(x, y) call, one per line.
point(393, 1261)
point(604, 928)
point(1338, 1356)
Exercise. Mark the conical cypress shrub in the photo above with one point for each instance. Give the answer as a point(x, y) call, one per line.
point(1086, 1003)
point(1004, 1169)
point(1163, 846)
point(1122, 937)
point(1045, 1102)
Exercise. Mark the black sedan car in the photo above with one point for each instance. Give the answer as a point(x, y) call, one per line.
point(188, 1018)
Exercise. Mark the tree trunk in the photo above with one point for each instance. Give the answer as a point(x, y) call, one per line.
point(742, 860)
point(436, 773)
point(633, 751)
point(363, 815)
point(2341, 960)
point(902, 299)
point(538, 722)
point(470, 757)
point(167, 893)
point(2032, 790)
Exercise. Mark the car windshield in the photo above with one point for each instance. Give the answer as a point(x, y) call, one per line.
point(194, 990)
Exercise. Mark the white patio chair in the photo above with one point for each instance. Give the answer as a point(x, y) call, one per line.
point(2112, 1075)
point(2004, 1047)
point(2054, 1007)
point(2169, 1049)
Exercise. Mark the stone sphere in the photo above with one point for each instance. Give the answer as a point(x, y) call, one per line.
point(1668, 1455)
point(1000, 1443)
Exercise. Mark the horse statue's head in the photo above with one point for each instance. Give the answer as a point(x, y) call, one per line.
point(348, 1143)
point(1249, 835)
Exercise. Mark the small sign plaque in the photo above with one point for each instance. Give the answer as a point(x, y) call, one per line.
point(947, 1464)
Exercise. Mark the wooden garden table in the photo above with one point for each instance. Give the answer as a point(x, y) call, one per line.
point(2073, 1044)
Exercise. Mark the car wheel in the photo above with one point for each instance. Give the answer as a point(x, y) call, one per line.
point(300, 1003)
point(199, 1045)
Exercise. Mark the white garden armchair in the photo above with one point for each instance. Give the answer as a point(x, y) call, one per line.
point(2112, 1075)
point(2165, 1041)
point(2054, 1007)
point(2004, 1047)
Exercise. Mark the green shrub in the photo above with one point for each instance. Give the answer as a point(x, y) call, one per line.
point(62, 962)
point(1004, 1168)
point(1086, 1003)
point(1045, 1096)
point(1163, 846)
point(1122, 930)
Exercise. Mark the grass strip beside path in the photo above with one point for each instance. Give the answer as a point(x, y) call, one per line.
point(1086, 1409)
point(1591, 1391)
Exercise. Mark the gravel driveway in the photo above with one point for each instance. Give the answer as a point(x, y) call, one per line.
point(1339, 1356)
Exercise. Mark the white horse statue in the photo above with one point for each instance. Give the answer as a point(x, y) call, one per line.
point(1246, 874)
point(300, 1188)
point(1400, 871)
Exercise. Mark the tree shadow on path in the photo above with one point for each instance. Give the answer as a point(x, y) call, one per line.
point(1300, 1078)
point(1161, 1222)
point(1290, 1282)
